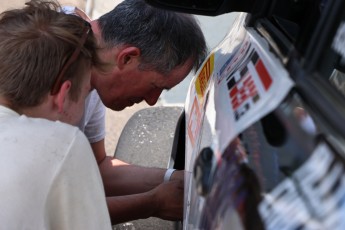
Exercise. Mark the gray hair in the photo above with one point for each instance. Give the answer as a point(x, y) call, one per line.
point(166, 39)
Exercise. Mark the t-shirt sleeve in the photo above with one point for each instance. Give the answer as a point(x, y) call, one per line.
point(94, 127)
point(76, 199)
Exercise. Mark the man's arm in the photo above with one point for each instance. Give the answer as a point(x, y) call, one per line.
point(165, 202)
point(120, 178)
point(135, 192)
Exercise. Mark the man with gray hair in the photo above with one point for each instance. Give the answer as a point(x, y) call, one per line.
point(145, 50)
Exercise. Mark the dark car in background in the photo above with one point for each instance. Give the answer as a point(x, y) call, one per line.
point(262, 134)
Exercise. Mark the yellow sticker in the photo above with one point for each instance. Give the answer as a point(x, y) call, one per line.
point(203, 78)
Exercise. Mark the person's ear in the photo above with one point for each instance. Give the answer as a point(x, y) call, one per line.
point(128, 56)
point(82, 14)
point(62, 95)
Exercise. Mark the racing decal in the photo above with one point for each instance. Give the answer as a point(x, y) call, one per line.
point(323, 184)
point(265, 77)
point(285, 199)
point(339, 40)
point(234, 60)
point(194, 122)
point(296, 203)
point(203, 78)
point(199, 89)
point(242, 89)
point(239, 93)
point(252, 89)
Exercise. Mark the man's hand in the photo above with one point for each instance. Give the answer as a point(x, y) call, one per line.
point(177, 175)
point(164, 201)
point(169, 199)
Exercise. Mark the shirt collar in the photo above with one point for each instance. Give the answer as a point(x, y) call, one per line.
point(7, 112)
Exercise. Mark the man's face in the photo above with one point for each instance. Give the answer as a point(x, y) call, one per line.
point(124, 87)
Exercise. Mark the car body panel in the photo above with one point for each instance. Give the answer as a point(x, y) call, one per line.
point(246, 84)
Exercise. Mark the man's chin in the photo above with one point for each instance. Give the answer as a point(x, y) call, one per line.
point(115, 107)
point(120, 107)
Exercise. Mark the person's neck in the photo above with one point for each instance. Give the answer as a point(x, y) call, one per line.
point(40, 111)
point(6, 103)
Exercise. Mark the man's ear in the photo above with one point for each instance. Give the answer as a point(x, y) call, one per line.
point(62, 95)
point(128, 56)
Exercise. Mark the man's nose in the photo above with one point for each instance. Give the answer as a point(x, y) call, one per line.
point(152, 97)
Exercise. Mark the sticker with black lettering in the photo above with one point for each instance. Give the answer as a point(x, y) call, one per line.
point(339, 40)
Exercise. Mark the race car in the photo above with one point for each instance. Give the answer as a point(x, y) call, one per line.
point(262, 134)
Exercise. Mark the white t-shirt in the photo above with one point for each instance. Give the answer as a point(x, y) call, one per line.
point(49, 178)
point(93, 120)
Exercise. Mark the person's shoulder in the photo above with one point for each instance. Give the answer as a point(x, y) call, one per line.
point(94, 95)
point(43, 122)
point(46, 129)
point(95, 98)
point(39, 135)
